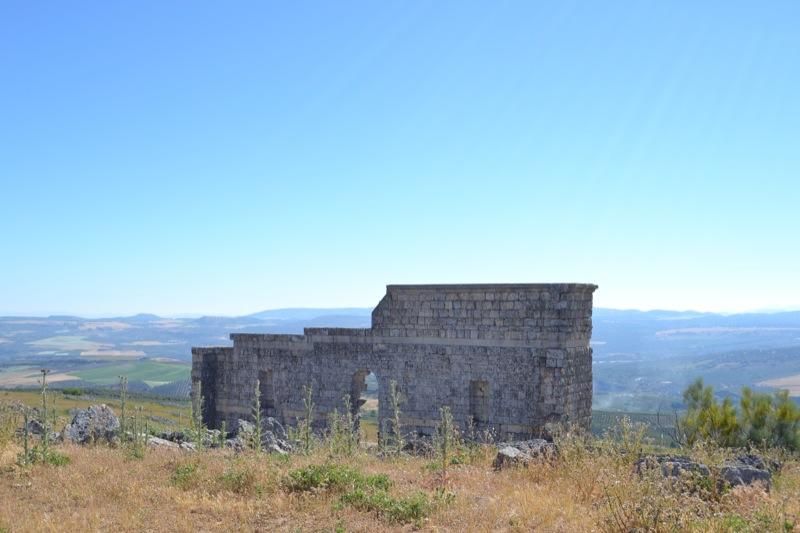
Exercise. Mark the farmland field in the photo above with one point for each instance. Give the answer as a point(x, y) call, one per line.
point(150, 372)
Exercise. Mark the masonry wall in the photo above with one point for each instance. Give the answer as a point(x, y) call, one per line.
point(512, 357)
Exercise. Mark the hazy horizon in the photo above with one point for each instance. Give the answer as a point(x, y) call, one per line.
point(92, 316)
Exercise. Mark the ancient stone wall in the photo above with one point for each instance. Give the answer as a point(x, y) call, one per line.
point(508, 357)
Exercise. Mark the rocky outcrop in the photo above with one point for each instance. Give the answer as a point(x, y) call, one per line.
point(671, 466)
point(98, 423)
point(273, 436)
point(522, 453)
point(748, 470)
point(742, 470)
point(35, 428)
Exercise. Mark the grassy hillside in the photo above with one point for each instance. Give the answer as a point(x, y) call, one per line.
point(591, 486)
point(161, 414)
point(106, 489)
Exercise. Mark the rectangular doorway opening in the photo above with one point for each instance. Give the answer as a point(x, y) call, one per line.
point(266, 392)
point(479, 401)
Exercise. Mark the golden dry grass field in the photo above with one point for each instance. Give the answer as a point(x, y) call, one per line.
point(589, 488)
point(103, 489)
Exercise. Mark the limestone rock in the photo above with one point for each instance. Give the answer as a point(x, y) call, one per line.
point(273, 436)
point(748, 470)
point(95, 424)
point(173, 436)
point(35, 427)
point(672, 466)
point(522, 453)
point(158, 442)
point(275, 427)
point(762, 463)
point(743, 470)
point(420, 446)
point(243, 428)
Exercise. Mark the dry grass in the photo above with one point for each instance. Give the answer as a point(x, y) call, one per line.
point(102, 489)
point(590, 488)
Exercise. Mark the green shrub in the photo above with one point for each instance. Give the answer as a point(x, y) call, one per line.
point(333, 477)
point(239, 481)
point(185, 475)
point(72, 391)
point(55, 458)
point(410, 509)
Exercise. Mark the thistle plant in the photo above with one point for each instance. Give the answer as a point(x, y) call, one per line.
point(139, 438)
point(394, 404)
point(342, 431)
point(308, 406)
point(197, 428)
point(45, 425)
point(256, 437)
point(349, 426)
point(123, 395)
point(26, 449)
point(445, 438)
point(223, 434)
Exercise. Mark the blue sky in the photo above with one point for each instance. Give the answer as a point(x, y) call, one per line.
point(222, 158)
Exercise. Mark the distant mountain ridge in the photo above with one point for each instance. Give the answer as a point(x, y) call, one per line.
point(642, 359)
point(309, 313)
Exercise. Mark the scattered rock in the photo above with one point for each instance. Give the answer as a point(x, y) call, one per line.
point(97, 423)
point(672, 466)
point(275, 427)
point(35, 427)
point(749, 469)
point(420, 446)
point(273, 436)
point(743, 470)
point(243, 428)
point(522, 453)
point(762, 463)
point(237, 443)
point(158, 442)
point(172, 436)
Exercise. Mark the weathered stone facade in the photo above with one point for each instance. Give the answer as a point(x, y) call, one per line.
point(511, 357)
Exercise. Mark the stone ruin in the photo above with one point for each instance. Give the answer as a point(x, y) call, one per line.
point(504, 357)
